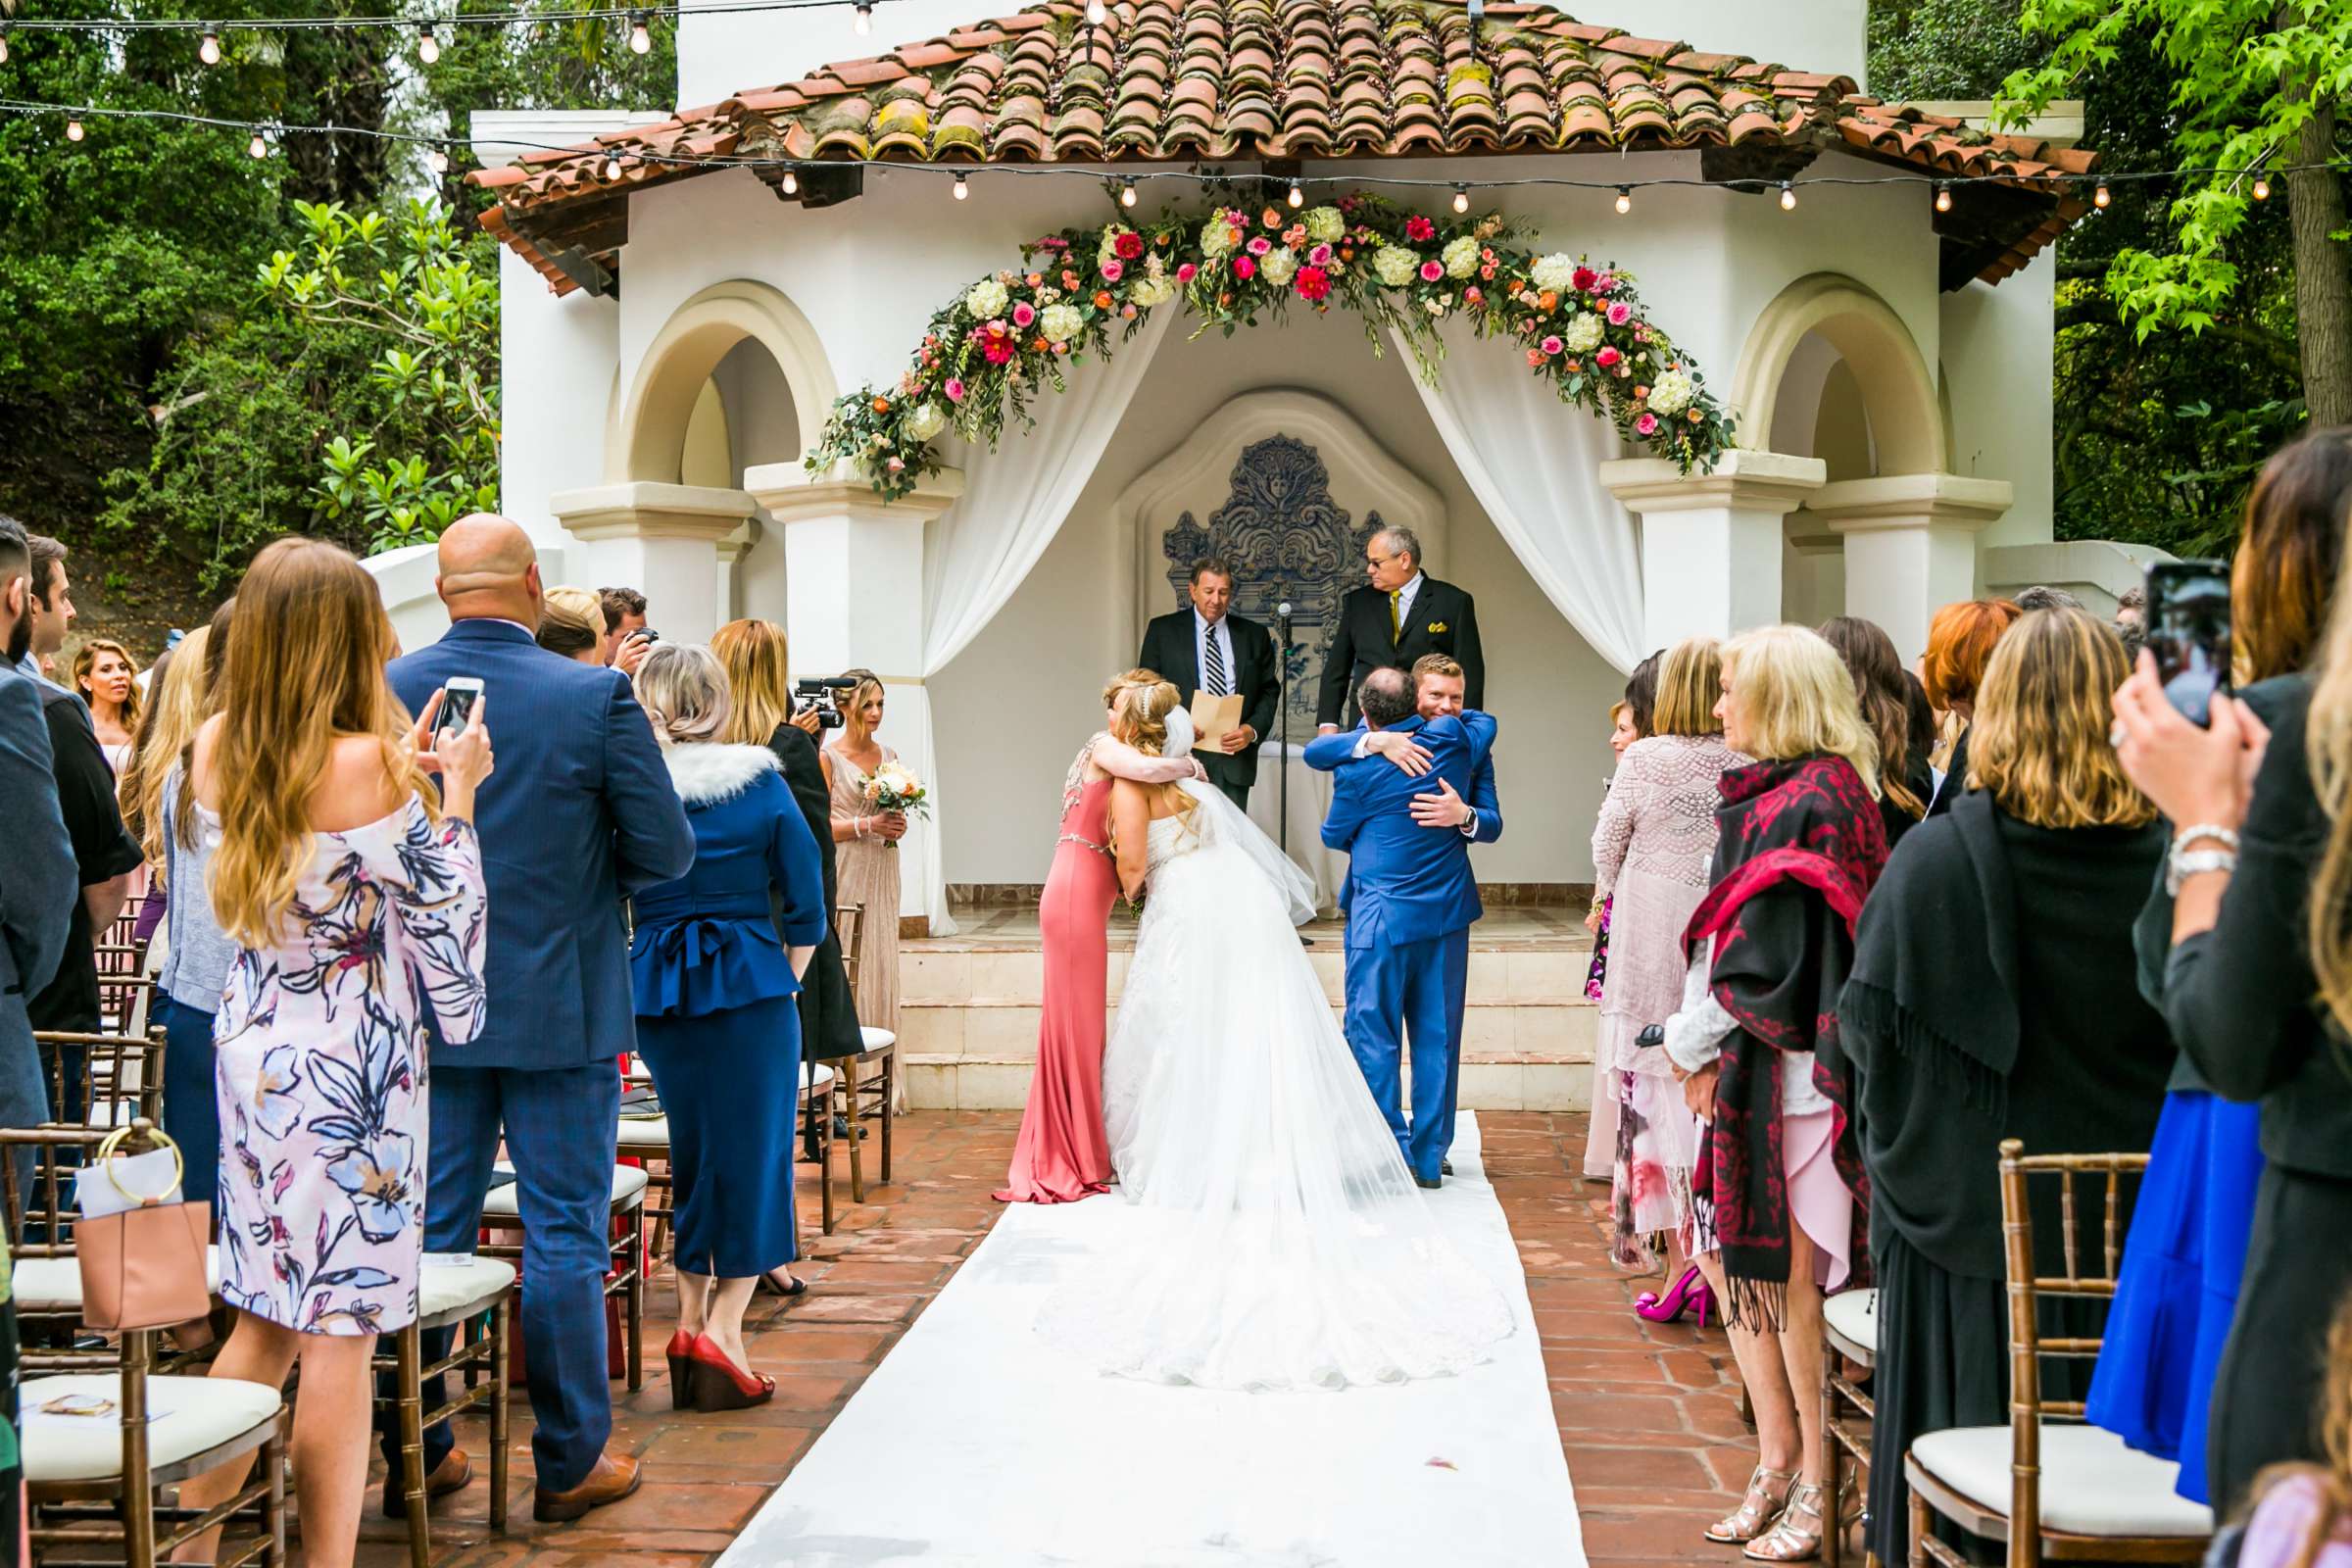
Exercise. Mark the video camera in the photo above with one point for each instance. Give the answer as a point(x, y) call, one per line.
point(825, 696)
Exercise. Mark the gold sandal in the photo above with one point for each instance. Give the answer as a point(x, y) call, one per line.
point(1768, 1490)
point(1795, 1535)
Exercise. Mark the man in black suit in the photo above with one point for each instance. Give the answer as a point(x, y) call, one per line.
point(1400, 616)
point(1205, 649)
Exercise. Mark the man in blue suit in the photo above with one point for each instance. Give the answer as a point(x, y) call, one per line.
point(1410, 901)
point(582, 813)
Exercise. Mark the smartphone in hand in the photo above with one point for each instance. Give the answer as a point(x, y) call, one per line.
point(2188, 632)
point(457, 705)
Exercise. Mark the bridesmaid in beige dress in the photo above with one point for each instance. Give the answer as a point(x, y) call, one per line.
point(867, 856)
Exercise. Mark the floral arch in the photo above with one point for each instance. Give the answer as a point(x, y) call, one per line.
point(1010, 335)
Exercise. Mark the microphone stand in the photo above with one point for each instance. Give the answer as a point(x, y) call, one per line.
point(1282, 683)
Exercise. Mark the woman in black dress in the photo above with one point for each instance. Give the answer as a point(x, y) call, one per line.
point(1960, 643)
point(1993, 997)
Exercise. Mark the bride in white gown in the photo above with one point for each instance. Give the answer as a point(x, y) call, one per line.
point(1279, 1240)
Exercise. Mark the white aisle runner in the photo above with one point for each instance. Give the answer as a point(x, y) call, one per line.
point(976, 1443)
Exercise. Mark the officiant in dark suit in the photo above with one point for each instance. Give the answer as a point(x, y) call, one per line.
point(1400, 615)
point(1207, 649)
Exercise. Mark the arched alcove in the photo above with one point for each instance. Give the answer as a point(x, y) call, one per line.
point(1861, 329)
point(680, 363)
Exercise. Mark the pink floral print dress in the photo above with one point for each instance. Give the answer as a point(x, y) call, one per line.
point(322, 1076)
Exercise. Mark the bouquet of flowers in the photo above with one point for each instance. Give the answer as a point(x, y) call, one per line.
point(895, 787)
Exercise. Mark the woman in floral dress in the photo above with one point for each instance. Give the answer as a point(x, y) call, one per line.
point(357, 902)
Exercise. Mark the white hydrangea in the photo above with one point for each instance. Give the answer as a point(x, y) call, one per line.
point(1552, 272)
point(1671, 393)
point(926, 421)
point(1216, 236)
point(1460, 255)
point(1395, 265)
point(1060, 322)
point(1325, 225)
point(1150, 291)
point(1582, 335)
point(1278, 266)
point(986, 299)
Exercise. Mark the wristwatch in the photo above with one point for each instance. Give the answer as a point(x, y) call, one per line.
point(1470, 824)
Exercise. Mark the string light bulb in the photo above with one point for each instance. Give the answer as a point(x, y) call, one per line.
point(428, 47)
point(1096, 12)
point(436, 160)
point(964, 192)
point(1625, 199)
point(209, 51)
point(611, 167)
point(1943, 197)
point(791, 181)
point(1127, 191)
point(641, 37)
point(2099, 197)
point(1461, 198)
point(1787, 197)
point(255, 146)
point(73, 128)
point(1297, 197)
point(862, 21)
point(2262, 187)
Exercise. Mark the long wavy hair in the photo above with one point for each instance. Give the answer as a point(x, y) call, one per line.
point(2039, 740)
point(85, 661)
point(177, 710)
point(1141, 722)
point(1796, 697)
point(1882, 691)
point(2289, 552)
point(752, 652)
point(2328, 750)
point(306, 665)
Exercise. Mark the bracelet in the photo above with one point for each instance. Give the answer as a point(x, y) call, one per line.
point(2224, 837)
point(2182, 864)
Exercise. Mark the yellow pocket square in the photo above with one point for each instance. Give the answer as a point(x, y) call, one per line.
point(1436, 626)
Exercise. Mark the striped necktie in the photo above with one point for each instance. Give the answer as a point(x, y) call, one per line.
point(1215, 684)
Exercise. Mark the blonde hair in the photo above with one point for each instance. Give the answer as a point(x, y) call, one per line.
point(1796, 696)
point(571, 621)
point(752, 652)
point(683, 688)
point(178, 710)
point(1143, 723)
point(306, 665)
point(578, 605)
point(1690, 680)
point(1437, 664)
point(85, 660)
point(2040, 738)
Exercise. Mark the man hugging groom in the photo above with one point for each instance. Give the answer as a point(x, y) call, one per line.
point(1410, 899)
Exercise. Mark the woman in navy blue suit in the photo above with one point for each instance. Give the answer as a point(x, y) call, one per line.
point(716, 968)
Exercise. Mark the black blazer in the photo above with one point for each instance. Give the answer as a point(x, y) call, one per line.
point(1169, 648)
point(1443, 620)
point(828, 1010)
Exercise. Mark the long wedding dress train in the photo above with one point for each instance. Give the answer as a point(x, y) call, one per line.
point(1280, 1241)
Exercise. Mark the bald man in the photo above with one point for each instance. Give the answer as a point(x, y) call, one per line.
point(581, 816)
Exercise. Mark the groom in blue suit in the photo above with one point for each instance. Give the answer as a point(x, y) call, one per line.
point(1409, 900)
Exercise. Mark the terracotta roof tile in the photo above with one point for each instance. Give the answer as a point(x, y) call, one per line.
point(1239, 78)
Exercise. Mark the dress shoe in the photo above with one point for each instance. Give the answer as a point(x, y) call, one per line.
point(612, 1480)
point(1444, 1167)
point(1432, 1183)
point(451, 1475)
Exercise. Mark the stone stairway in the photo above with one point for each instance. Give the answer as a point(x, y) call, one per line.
point(968, 1015)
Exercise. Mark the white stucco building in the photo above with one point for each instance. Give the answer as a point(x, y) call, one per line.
point(675, 335)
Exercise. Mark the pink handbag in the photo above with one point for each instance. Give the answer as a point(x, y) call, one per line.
point(143, 1268)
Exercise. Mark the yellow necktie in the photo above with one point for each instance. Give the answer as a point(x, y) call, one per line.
point(1394, 625)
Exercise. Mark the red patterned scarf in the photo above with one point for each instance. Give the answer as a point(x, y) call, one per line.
point(1801, 844)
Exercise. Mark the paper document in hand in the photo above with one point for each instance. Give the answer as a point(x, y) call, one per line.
point(1213, 718)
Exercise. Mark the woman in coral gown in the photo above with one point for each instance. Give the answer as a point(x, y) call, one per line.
point(1062, 1154)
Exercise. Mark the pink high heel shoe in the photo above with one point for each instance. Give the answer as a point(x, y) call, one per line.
point(1690, 1291)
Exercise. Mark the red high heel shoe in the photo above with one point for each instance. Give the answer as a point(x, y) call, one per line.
point(681, 1370)
point(1690, 1291)
point(718, 1386)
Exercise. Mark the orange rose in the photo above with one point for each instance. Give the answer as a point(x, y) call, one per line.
point(1103, 300)
point(881, 405)
point(1547, 300)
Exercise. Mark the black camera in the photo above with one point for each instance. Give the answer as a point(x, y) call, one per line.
point(825, 696)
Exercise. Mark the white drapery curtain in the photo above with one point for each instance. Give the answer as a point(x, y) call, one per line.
point(979, 551)
point(1533, 463)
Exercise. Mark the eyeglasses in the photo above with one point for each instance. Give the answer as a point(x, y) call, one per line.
point(1377, 562)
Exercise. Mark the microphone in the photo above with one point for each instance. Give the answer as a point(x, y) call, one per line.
point(1282, 614)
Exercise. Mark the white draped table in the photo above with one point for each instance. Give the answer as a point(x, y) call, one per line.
point(1310, 796)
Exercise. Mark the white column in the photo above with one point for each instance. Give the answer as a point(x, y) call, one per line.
point(1711, 541)
point(660, 539)
point(730, 552)
point(854, 600)
point(1910, 545)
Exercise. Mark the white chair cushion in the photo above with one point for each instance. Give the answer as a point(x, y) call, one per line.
point(1853, 1316)
point(645, 1133)
point(460, 1285)
point(628, 1186)
point(54, 1283)
point(815, 1078)
point(2091, 1484)
point(876, 1039)
point(186, 1416)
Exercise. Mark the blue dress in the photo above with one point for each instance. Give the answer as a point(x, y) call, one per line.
point(716, 1021)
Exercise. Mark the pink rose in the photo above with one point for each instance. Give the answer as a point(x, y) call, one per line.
point(954, 390)
point(1320, 256)
point(1113, 270)
point(1646, 423)
point(1608, 355)
point(1127, 313)
point(1430, 271)
point(1552, 345)
point(895, 465)
point(1605, 284)
point(1243, 268)
point(1535, 358)
point(1260, 245)
point(1620, 314)
point(1184, 272)
point(1024, 315)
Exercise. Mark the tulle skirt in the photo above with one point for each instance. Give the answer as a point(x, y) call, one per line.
point(1278, 1240)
